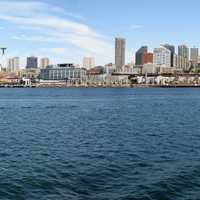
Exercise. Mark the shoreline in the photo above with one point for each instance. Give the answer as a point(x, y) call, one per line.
point(131, 86)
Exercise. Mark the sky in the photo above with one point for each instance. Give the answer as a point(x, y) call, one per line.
point(68, 30)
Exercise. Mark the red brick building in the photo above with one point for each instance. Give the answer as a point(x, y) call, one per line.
point(143, 57)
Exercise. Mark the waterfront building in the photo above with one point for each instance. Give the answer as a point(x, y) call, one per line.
point(172, 50)
point(120, 46)
point(30, 73)
point(143, 57)
point(9, 79)
point(88, 62)
point(162, 57)
point(194, 55)
point(110, 68)
point(44, 62)
point(32, 62)
point(149, 68)
point(96, 70)
point(63, 72)
point(13, 65)
point(107, 80)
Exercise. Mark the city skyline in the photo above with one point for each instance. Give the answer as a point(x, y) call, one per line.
point(181, 54)
point(67, 31)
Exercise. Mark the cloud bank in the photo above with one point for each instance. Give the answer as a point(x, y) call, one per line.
point(52, 26)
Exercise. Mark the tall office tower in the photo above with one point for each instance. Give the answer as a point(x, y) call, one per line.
point(172, 49)
point(143, 57)
point(183, 51)
point(162, 57)
point(44, 62)
point(13, 65)
point(32, 62)
point(139, 56)
point(194, 55)
point(120, 46)
point(183, 57)
point(88, 62)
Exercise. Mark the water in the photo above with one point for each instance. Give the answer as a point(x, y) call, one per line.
point(100, 144)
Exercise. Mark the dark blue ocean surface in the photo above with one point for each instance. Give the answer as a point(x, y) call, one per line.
point(100, 144)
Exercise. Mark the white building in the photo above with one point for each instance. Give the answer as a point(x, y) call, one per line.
point(110, 68)
point(88, 62)
point(162, 57)
point(13, 65)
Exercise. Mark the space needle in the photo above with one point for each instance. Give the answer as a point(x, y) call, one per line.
point(3, 58)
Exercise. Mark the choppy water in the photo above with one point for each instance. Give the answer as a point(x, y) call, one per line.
point(100, 144)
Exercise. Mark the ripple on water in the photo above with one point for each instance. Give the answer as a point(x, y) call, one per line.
point(99, 144)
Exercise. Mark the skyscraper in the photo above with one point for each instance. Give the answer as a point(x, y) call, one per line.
point(143, 57)
point(44, 62)
point(194, 55)
point(183, 51)
point(172, 49)
point(88, 62)
point(183, 57)
point(32, 62)
point(13, 65)
point(139, 56)
point(120, 45)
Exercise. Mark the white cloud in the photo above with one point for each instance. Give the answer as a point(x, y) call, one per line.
point(36, 38)
point(28, 8)
point(47, 26)
point(91, 44)
point(52, 22)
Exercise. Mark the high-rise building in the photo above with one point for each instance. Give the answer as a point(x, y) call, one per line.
point(194, 55)
point(44, 62)
point(182, 63)
point(88, 62)
point(183, 51)
point(162, 57)
point(120, 46)
point(148, 58)
point(183, 57)
point(139, 56)
point(172, 49)
point(13, 65)
point(143, 57)
point(32, 62)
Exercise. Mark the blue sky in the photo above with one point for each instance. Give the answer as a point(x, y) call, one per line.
point(67, 30)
